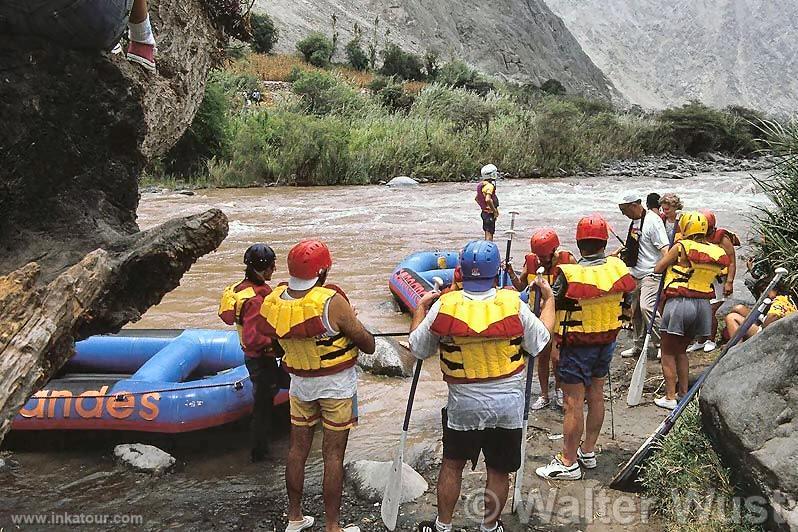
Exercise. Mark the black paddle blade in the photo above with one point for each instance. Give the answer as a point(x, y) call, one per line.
point(628, 477)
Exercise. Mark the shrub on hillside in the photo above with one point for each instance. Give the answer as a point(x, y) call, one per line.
point(264, 33)
point(322, 93)
point(695, 128)
point(316, 49)
point(403, 65)
point(462, 108)
point(355, 55)
point(457, 74)
point(552, 86)
point(391, 94)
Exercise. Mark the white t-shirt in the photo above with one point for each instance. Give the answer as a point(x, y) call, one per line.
point(652, 239)
point(341, 385)
point(492, 404)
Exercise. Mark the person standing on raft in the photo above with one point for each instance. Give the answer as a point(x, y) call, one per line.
point(483, 336)
point(488, 200)
point(690, 267)
point(591, 295)
point(317, 329)
point(546, 252)
point(239, 301)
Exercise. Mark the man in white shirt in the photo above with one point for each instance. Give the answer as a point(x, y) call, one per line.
point(646, 242)
point(482, 335)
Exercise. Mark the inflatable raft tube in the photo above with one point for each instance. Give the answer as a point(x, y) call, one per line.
point(412, 278)
point(167, 381)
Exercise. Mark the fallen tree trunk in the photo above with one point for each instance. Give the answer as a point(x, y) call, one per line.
point(78, 127)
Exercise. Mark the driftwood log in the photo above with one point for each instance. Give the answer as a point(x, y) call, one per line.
point(77, 128)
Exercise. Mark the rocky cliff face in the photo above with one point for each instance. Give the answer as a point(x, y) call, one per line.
point(509, 38)
point(660, 53)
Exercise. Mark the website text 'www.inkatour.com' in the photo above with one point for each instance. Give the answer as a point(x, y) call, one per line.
point(67, 518)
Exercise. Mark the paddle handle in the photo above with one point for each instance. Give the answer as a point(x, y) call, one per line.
point(416, 375)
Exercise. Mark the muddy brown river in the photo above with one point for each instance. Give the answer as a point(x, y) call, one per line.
point(368, 230)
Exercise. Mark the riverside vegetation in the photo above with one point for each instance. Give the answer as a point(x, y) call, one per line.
point(359, 124)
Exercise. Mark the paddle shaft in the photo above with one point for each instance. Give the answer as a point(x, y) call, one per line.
point(510, 233)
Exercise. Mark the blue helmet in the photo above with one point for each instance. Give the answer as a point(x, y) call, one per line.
point(479, 262)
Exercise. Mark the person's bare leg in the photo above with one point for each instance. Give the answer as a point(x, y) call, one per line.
point(543, 370)
point(497, 488)
point(573, 422)
point(555, 361)
point(595, 414)
point(333, 449)
point(713, 335)
point(670, 348)
point(450, 479)
point(683, 372)
point(299, 448)
point(139, 11)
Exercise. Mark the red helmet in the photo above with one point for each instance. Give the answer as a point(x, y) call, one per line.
point(307, 259)
point(710, 219)
point(544, 241)
point(592, 227)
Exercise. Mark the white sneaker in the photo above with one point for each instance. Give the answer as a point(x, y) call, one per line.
point(556, 470)
point(351, 528)
point(664, 402)
point(709, 346)
point(559, 398)
point(631, 352)
point(696, 346)
point(296, 526)
point(659, 354)
point(540, 403)
point(588, 460)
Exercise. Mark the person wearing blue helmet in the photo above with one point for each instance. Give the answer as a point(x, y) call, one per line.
point(484, 337)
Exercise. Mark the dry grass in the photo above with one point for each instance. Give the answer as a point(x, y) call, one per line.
point(278, 67)
point(414, 87)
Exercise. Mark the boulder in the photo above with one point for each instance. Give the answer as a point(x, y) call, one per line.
point(749, 407)
point(425, 456)
point(389, 359)
point(368, 478)
point(143, 457)
point(402, 181)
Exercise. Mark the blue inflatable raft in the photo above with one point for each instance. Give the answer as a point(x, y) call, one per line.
point(146, 380)
point(412, 278)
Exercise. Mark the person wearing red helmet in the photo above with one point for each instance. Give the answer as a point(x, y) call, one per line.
point(646, 243)
point(546, 252)
point(592, 295)
point(238, 304)
point(319, 333)
point(724, 284)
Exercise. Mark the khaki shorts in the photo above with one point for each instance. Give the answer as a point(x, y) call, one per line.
point(334, 414)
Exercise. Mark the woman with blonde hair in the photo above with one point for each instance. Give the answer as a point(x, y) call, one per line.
point(670, 205)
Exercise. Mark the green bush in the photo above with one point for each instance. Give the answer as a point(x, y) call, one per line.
point(355, 55)
point(695, 128)
point(403, 65)
point(391, 94)
point(323, 93)
point(457, 74)
point(264, 33)
point(206, 136)
point(552, 86)
point(316, 49)
point(462, 108)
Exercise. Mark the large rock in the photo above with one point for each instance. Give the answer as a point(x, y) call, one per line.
point(749, 406)
point(389, 358)
point(402, 181)
point(368, 478)
point(143, 457)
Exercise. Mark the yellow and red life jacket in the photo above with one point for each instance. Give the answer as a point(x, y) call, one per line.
point(480, 340)
point(706, 263)
point(233, 298)
point(532, 263)
point(298, 326)
point(717, 237)
point(594, 297)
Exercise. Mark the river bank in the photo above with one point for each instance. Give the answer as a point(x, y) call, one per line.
point(650, 167)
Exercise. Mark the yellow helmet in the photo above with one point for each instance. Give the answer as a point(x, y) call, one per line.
point(693, 223)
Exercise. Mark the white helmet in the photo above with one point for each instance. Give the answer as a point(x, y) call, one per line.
point(489, 171)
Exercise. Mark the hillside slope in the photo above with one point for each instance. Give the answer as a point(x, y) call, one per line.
point(512, 39)
point(664, 52)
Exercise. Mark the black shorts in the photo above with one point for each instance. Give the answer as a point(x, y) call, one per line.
point(501, 447)
point(488, 222)
point(580, 364)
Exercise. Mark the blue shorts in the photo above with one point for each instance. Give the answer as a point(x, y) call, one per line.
point(580, 364)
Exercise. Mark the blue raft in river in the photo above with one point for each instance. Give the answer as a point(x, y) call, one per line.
point(166, 381)
point(412, 278)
